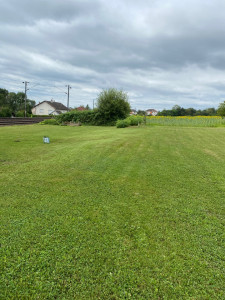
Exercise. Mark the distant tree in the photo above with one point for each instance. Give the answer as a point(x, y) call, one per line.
point(165, 112)
point(141, 112)
point(221, 109)
point(178, 111)
point(190, 111)
point(208, 112)
point(30, 105)
point(211, 111)
point(112, 105)
point(11, 103)
point(3, 97)
point(5, 112)
point(20, 99)
point(87, 107)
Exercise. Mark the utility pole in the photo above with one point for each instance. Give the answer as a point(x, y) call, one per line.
point(68, 96)
point(93, 104)
point(26, 89)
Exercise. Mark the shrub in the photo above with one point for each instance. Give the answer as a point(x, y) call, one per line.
point(122, 123)
point(5, 112)
point(112, 105)
point(20, 114)
point(130, 121)
point(49, 122)
point(85, 117)
point(135, 120)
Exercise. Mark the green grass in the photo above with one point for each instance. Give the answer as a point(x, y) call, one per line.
point(187, 121)
point(106, 213)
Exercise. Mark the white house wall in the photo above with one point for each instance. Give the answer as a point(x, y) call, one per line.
point(44, 109)
point(151, 113)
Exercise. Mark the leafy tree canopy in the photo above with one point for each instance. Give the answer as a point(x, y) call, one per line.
point(221, 109)
point(112, 105)
point(141, 112)
point(12, 103)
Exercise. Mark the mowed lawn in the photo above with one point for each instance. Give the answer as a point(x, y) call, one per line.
point(106, 213)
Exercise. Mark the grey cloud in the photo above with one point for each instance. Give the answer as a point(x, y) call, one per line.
point(28, 12)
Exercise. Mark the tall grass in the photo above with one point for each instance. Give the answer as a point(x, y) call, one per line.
point(186, 121)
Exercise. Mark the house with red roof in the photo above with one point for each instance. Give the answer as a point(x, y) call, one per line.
point(151, 112)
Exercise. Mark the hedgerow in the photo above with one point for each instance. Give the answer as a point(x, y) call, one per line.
point(88, 117)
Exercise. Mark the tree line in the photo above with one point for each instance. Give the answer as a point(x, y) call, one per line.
point(177, 111)
point(13, 104)
point(180, 111)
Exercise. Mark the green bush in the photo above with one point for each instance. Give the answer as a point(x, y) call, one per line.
point(5, 112)
point(88, 117)
point(49, 122)
point(20, 114)
point(122, 123)
point(135, 120)
point(112, 105)
point(130, 121)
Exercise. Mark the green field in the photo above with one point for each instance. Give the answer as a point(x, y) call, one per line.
point(187, 121)
point(106, 213)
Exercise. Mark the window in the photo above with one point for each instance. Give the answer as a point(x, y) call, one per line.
point(41, 111)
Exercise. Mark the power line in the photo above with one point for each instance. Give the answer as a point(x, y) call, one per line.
point(33, 86)
point(59, 88)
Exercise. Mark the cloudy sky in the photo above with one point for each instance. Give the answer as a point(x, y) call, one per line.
point(161, 52)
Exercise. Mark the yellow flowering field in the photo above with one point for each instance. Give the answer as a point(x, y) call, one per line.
point(198, 121)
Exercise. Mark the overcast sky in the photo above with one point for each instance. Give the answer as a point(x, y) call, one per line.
point(161, 52)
